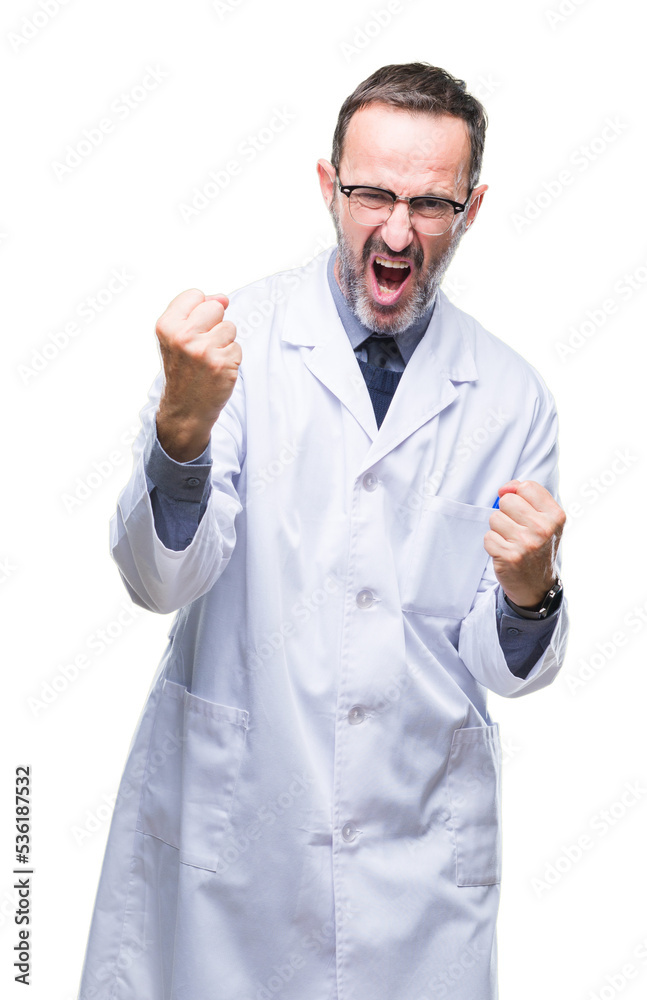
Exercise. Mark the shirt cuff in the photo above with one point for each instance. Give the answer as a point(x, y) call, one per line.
point(179, 500)
point(523, 640)
point(189, 481)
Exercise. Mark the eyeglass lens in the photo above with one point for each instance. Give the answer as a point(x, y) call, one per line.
point(428, 215)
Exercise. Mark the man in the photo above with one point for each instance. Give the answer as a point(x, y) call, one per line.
point(310, 807)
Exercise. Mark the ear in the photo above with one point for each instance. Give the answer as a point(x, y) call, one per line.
point(326, 173)
point(473, 210)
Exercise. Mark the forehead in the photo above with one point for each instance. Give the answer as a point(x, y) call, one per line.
point(408, 152)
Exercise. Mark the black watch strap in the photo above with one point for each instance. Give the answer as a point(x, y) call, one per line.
point(552, 599)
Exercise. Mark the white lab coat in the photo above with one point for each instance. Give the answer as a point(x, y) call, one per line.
point(311, 803)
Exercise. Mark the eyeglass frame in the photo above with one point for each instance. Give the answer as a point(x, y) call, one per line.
point(348, 189)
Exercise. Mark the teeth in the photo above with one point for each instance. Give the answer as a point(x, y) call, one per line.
point(390, 263)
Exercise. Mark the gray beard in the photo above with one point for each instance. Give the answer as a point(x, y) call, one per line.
point(389, 320)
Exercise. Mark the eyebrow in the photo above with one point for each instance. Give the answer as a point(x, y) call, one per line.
point(428, 194)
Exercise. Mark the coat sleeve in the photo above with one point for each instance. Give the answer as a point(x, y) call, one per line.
point(162, 579)
point(479, 646)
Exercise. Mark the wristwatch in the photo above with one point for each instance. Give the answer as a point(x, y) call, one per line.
point(549, 603)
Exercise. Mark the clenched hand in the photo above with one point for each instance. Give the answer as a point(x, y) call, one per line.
point(201, 358)
point(523, 541)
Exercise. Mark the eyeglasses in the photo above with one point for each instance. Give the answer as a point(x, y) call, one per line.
point(371, 206)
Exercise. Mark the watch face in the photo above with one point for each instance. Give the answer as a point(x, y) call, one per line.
point(555, 600)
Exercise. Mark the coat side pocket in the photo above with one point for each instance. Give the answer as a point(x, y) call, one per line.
point(191, 771)
point(474, 790)
point(215, 741)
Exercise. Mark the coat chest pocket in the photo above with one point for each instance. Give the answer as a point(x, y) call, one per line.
point(474, 792)
point(446, 558)
point(191, 771)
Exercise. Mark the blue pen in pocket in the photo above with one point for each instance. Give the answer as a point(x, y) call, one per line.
point(496, 503)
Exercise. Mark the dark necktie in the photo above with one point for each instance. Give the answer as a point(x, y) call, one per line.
point(380, 381)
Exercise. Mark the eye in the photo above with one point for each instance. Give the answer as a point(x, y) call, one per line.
point(431, 207)
point(372, 199)
point(430, 203)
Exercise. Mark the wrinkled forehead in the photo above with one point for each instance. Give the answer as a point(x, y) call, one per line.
point(395, 148)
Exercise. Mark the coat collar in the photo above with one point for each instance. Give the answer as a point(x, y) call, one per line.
point(442, 358)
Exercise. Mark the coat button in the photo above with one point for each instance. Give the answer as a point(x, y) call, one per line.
point(369, 482)
point(349, 832)
point(356, 715)
point(193, 481)
point(365, 598)
point(513, 631)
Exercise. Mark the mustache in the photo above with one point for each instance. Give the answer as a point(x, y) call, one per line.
point(412, 252)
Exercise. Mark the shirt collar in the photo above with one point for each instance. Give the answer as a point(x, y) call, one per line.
point(407, 341)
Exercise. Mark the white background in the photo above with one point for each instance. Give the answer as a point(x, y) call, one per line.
point(550, 83)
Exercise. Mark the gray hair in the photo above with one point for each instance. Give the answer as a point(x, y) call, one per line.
point(417, 87)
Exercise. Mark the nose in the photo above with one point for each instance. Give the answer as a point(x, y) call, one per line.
point(397, 230)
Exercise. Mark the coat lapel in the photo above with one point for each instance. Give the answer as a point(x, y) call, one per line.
point(428, 384)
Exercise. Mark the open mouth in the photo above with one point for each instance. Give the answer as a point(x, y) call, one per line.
point(389, 278)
